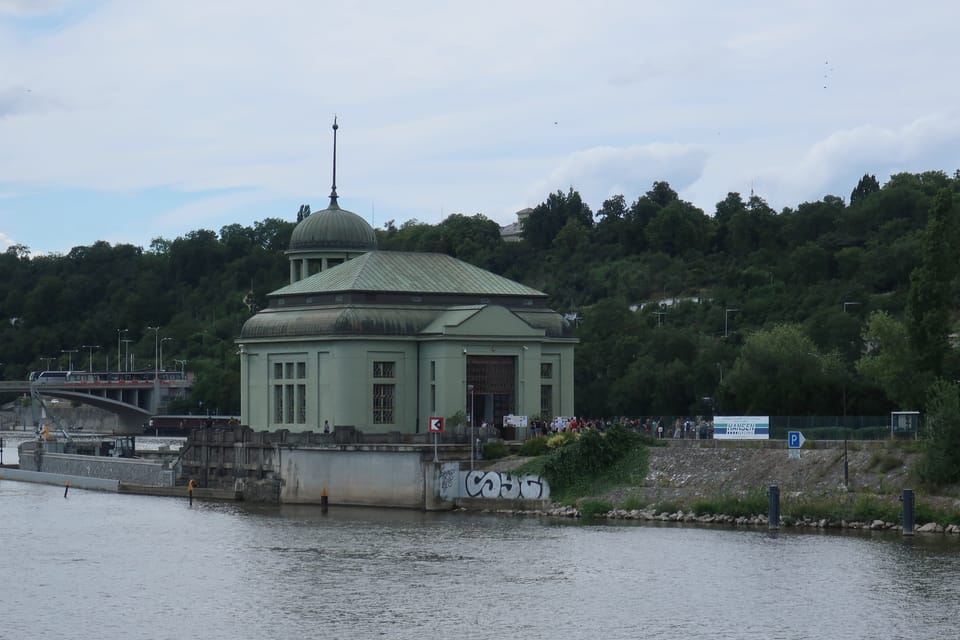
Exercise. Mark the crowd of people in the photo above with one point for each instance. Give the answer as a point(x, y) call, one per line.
point(688, 428)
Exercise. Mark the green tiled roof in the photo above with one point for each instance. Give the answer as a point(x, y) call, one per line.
point(406, 272)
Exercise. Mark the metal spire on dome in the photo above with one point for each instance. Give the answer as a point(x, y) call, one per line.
point(333, 190)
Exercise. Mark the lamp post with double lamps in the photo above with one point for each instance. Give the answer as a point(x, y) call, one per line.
point(120, 334)
point(156, 347)
point(470, 417)
point(69, 353)
point(162, 340)
point(90, 348)
point(726, 320)
point(126, 353)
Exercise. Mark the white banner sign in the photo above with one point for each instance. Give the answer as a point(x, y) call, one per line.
point(741, 427)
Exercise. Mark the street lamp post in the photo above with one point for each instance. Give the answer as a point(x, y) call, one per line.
point(162, 340)
point(849, 304)
point(183, 366)
point(90, 348)
point(470, 418)
point(726, 320)
point(120, 332)
point(126, 354)
point(47, 360)
point(69, 353)
point(156, 346)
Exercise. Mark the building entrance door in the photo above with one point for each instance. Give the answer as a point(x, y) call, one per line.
point(494, 380)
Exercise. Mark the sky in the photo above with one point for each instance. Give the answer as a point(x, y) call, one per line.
point(131, 120)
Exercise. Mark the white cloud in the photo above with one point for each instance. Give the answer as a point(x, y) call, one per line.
point(601, 172)
point(836, 163)
point(451, 107)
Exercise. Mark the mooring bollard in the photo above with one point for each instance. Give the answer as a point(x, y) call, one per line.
point(774, 512)
point(907, 500)
point(323, 501)
point(66, 489)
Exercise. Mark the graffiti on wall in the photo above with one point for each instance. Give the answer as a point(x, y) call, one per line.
point(496, 484)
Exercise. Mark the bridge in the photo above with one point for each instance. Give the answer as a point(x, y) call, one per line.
point(134, 401)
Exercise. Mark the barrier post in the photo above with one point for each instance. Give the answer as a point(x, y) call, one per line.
point(908, 521)
point(774, 507)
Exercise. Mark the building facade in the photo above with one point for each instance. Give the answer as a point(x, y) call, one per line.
point(383, 341)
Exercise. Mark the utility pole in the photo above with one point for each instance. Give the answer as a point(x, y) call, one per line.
point(726, 320)
point(156, 346)
point(90, 348)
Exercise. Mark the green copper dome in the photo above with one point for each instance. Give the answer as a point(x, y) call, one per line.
point(333, 228)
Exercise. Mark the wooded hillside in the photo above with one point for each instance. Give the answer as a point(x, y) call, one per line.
point(827, 308)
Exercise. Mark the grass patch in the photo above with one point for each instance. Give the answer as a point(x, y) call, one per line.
point(923, 514)
point(534, 447)
point(884, 462)
point(667, 506)
point(751, 504)
point(532, 467)
point(591, 509)
point(634, 503)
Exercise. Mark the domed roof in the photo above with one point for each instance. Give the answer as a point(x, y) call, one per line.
point(333, 228)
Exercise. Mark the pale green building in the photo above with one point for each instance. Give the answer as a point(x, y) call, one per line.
point(382, 341)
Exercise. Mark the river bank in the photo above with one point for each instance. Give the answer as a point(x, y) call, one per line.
point(823, 485)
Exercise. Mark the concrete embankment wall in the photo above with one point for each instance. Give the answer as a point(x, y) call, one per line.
point(141, 472)
point(60, 479)
point(365, 476)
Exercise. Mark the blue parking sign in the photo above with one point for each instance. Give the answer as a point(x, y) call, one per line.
point(795, 439)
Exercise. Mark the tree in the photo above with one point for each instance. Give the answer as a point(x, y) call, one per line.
point(888, 362)
point(868, 184)
point(548, 218)
point(931, 296)
point(678, 228)
point(940, 462)
point(780, 372)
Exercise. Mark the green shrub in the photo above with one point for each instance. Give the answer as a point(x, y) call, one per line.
point(594, 462)
point(868, 508)
point(923, 514)
point(561, 439)
point(494, 450)
point(667, 507)
point(589, 455)
point(534, 447)
point(593, 508)
point(633, 503)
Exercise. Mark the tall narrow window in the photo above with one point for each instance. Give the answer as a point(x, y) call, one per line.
point(546, 400)
point(288, 404)
point(383, 403)
point(384, 395)
point(278, 404)
point(289, 398)
point(301, 404)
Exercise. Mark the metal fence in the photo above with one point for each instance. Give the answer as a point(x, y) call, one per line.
point(813, 427)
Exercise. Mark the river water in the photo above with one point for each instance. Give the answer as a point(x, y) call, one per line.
point(109, 566)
